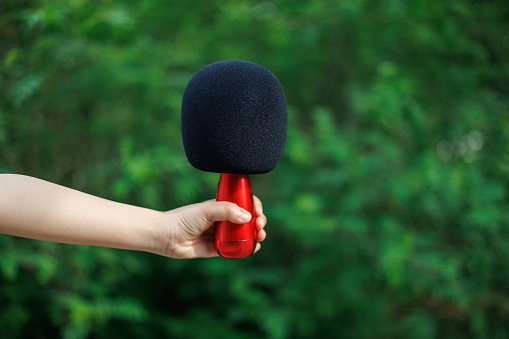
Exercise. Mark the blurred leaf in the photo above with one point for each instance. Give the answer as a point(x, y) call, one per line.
point(387, 214)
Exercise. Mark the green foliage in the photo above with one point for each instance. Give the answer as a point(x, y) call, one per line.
point(387, 214)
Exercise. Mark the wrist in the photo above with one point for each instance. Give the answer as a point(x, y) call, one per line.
point(162, 234)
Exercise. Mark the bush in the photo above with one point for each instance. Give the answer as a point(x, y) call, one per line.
point(387, 214)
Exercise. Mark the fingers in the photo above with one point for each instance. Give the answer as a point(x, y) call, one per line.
point(258, 206)
point(223, 210)
point(261, 236)
point(261, 222)
point(257, 248)
point(261, 219)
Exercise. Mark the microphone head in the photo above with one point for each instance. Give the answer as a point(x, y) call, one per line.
point(234, 118)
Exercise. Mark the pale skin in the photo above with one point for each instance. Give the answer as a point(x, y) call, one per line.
point(37, 209)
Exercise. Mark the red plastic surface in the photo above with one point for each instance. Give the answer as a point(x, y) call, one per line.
point(236, 240)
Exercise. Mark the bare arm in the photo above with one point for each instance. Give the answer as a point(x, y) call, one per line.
point(38, 209)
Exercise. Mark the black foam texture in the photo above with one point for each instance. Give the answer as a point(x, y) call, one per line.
point(234, 118)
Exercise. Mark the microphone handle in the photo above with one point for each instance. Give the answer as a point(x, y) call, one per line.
point(234, 240)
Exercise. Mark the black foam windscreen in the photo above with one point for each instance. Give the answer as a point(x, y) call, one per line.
point(234, 118)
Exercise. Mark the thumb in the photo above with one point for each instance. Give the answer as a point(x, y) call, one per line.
point(223, 210)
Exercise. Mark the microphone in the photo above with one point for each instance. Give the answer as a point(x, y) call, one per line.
point(233, 121)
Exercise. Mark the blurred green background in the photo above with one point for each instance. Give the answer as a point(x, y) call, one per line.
point(388, 213)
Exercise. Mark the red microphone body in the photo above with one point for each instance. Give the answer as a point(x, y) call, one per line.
point(234, 240)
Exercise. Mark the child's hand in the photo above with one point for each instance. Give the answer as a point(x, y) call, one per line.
point(186, 232)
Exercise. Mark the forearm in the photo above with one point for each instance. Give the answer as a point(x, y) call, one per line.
point(38, 209)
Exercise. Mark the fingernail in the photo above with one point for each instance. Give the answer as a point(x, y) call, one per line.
point(245, 216)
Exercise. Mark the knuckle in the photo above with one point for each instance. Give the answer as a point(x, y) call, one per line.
point(229, 210)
